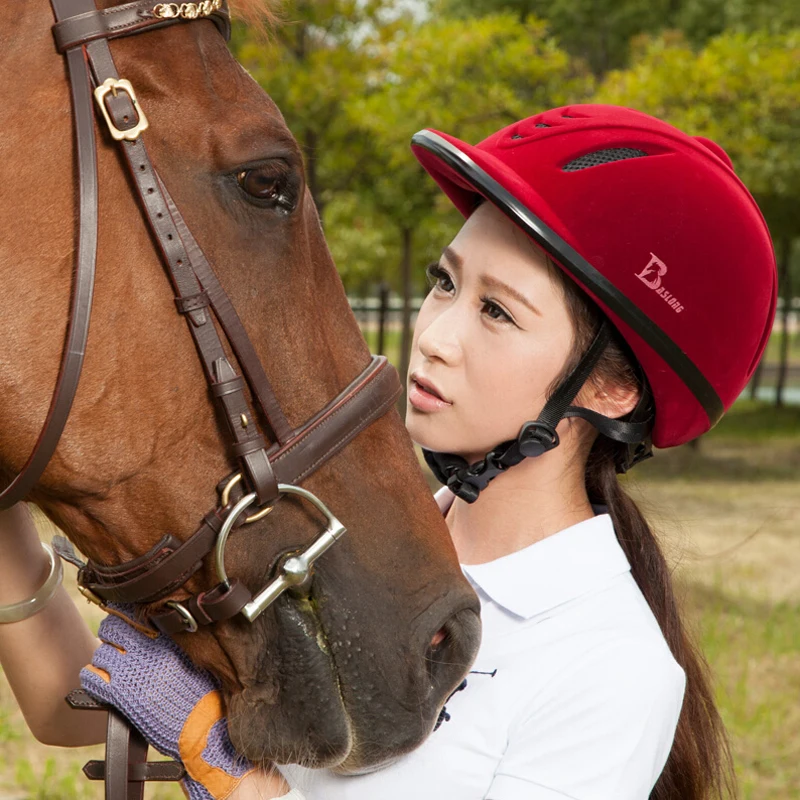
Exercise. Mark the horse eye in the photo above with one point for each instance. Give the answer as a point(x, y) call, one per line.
point(260, 183)
point(273, 185)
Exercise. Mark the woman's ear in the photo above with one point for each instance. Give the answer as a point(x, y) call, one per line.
point(610, 400)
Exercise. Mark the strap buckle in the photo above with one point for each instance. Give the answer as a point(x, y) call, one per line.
point(113, 85)
point(536, 438)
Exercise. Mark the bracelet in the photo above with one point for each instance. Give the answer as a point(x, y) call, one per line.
point(15, 612)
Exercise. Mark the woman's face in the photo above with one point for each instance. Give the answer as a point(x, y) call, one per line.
point(491, 337)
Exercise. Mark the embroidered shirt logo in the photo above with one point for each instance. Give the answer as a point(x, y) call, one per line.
point(651, 277)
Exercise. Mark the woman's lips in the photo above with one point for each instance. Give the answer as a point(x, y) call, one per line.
point(424, 397)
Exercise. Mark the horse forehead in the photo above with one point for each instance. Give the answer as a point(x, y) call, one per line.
point(193, 89)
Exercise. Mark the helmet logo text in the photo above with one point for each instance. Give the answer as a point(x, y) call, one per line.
point(651, 277)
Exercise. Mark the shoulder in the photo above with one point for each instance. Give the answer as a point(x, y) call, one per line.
point(624, 673)
point(607, 648)
point(601, 729)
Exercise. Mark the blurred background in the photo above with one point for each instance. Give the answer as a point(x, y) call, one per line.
point(356, 78)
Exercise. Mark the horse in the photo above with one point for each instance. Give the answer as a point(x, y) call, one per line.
point(350, 670)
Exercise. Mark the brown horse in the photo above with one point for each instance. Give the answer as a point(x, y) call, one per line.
point(354, 674)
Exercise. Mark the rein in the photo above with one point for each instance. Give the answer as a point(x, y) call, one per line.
point(266, 470)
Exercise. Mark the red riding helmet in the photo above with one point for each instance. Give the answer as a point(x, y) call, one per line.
point(653, 224)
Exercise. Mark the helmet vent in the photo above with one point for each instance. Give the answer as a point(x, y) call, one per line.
point(541, 125)
point(603, 157)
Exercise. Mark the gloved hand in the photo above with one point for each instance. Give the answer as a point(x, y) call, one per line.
point(176, 706)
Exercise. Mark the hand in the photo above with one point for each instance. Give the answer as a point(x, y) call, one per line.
point(176, 706)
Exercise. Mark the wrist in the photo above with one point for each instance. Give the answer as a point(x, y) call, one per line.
point(36, 601)
point(25, 565)
point(260, 784)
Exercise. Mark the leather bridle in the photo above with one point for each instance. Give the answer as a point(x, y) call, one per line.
point(268, 470)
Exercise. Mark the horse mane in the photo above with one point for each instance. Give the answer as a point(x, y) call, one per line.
point(258, 13)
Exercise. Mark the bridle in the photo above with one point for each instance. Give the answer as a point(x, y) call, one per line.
point(267, 471)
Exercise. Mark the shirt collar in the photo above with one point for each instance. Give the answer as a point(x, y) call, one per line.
point(566, 565)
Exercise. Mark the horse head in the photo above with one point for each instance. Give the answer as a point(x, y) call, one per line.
point(351, 671)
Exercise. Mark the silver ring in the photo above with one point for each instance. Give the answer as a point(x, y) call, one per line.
point(185, 613)
point(283, 488)
point(222, 536)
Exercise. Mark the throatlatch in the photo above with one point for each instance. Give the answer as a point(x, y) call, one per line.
point(539, 436)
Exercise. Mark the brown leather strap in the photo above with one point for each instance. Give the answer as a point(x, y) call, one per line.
point(294, 454)
point(207, 608)
point(364, 401)
point(149, 771)
point(158, 572)
point(232, 325)
point(180, 268)
point(124, 20)
point(125, 747)
point(83, 282)
point(82, 700)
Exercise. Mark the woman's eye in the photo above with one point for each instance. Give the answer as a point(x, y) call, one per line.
point(269, 186)
point(493, 311)
point(439, 279)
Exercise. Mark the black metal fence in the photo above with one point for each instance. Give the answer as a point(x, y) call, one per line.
point(381, 321)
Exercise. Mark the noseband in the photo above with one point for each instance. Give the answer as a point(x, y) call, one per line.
point(267, 471)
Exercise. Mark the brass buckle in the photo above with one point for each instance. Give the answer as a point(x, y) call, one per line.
point(113, 85)
point(91, 596)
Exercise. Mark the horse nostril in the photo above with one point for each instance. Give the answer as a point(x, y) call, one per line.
point(438, 638)
point(449, 646)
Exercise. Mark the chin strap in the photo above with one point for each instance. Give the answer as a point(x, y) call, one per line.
point(536, 438)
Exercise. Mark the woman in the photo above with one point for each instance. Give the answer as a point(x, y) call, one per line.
point(613, 285)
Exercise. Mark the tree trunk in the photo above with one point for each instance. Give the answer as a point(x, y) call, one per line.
point(405, 338)
point(785, 281)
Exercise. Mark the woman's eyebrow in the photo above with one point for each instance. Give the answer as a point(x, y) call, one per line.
point(453, 258)
point(490, 282)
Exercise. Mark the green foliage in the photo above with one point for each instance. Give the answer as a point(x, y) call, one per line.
point(52, 782)
point(8, 730)
point(318, 58)
point(751, 420)
point(492, 71)
point(595, 30)
point(600, 31)
point(355, 80)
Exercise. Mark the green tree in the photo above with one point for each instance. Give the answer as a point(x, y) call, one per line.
point(600, 31)
point(466, 77)
point(318, 56)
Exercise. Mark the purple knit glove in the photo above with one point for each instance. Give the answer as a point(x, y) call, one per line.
point(176, 706)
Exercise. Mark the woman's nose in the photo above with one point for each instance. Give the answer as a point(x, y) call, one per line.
point(439, 340)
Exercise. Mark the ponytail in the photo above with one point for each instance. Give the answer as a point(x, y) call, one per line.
point(699, 766)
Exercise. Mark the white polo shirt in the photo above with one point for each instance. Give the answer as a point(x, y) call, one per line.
point(574, 692)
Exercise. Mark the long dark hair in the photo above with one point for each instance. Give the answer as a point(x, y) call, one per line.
point(699, 766)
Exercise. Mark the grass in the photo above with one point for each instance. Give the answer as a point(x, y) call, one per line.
point(728, 515)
